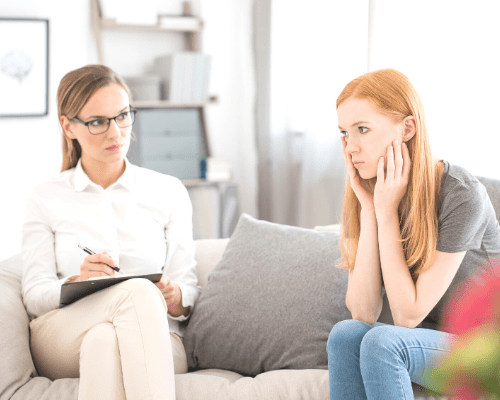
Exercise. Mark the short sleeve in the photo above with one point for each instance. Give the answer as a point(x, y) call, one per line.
point(463, 217)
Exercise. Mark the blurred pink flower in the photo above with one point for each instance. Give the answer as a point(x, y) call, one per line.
point(472, 369)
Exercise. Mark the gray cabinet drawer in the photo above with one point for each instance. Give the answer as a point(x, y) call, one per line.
point(171, 147)
point(180, 168)
point(170, 122)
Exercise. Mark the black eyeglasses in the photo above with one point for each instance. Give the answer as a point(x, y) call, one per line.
point(101, 125)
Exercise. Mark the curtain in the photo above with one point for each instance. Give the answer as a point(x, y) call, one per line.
point(227, 37)
point(316, 48)
point(450, 51)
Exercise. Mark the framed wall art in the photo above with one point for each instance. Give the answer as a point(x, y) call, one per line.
point(24, 67)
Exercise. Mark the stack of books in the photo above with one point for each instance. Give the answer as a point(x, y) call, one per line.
point(216, 169)
point(185, 76)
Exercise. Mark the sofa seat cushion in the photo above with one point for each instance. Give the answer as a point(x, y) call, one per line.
point(270, 303)
point(214, 384)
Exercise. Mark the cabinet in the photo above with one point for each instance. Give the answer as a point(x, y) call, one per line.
point(169, 140)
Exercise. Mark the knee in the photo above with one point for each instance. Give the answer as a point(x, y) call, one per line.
point(143, 287)
point(144, 294)
point(379, 341)
point(99, 339)
point(346, 333)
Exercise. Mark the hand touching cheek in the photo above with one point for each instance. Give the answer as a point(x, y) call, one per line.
point(391, 186)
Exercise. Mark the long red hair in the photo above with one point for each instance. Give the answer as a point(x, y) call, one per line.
point(394, 96)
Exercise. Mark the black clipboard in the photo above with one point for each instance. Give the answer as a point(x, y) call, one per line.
point(73, 291)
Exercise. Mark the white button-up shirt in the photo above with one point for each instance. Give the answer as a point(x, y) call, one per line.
point(143, 221)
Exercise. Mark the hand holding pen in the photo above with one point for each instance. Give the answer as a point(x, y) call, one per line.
point(100, 264)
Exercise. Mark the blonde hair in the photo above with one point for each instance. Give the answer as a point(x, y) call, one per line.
point(75, 90)
point(394, 96)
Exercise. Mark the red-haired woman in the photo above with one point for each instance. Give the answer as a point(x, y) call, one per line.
point(413, 227)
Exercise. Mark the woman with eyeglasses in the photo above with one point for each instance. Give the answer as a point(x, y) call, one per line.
point(123, 342)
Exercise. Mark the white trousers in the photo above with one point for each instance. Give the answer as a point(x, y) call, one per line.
point(116, 340)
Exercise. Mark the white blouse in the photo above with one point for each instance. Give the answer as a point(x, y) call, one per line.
point(143, 221)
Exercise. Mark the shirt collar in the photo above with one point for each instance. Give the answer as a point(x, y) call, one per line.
point(82, 181)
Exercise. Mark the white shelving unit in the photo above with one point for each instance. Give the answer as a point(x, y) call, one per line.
point(102, 24)
point(215, 204)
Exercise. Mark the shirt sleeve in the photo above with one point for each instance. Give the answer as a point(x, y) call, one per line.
point(463, 218)
point(41, 287)
point(180, 264)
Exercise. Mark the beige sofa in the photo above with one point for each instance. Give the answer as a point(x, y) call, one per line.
point(19, 380)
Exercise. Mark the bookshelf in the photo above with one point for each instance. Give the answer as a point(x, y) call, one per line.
point(192, 28)
point(188, 25)
point(172, 135)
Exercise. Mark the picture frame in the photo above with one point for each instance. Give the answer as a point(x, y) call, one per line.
point(24, 67)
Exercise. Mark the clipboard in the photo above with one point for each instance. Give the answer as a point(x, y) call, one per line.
point(73, 291)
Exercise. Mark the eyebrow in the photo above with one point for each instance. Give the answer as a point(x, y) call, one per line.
point(102, 116)
point(357, 123)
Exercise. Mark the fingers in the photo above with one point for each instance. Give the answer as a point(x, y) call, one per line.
point(398, 159)
point(99, 265)
point(347, 160)
point(167, 289)
point(165, 284)
point(97, 269)
point(380, 171)
point(406, 162)
point(390, 163)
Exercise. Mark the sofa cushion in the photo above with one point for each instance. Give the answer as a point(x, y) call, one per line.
point(271, 301)
point(208, 254)
point(17, 370)
point(493, 188)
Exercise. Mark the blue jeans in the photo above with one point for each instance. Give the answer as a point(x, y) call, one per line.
point(380, 361)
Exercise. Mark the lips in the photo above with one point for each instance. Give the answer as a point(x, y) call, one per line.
point(115, 147)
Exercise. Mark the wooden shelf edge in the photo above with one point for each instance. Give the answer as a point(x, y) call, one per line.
point(203, 182)
point(169, 104)
point(106, 23)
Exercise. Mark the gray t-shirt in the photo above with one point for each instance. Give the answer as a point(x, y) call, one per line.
point(467, 222)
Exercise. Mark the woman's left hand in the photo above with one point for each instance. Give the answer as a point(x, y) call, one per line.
point(391, 187)
point(167, 289)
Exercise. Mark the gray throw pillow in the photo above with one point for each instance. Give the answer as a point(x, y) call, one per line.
point(271, 301)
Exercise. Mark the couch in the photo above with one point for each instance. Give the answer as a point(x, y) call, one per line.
point(19, 379)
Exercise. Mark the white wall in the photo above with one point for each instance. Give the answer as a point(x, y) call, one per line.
point(227, 37)
point(30, 150)
point(315, 51)
point(449, 49)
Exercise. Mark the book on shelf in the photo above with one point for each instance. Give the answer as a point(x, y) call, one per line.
point(185, 76)
point(216, 169)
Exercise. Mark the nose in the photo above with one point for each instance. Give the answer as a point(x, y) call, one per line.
point(114, 129)
point(352, 145)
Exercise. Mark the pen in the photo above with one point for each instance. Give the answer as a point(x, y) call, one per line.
point(88, 251)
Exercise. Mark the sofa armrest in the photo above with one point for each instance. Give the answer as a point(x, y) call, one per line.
point(334, 227)
point(208, 254)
